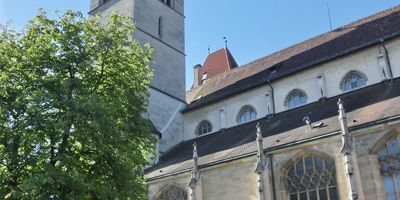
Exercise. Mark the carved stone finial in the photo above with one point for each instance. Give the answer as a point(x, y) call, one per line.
point(339, 101)
point(258, 132)
point(261, 163)
point(195, 156)
point(346, 150)
point(195, 174)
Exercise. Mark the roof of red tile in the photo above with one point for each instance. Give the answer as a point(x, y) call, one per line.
point(339, 42)
point(217, 62)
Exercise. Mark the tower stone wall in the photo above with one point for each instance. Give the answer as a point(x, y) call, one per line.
point(162, 26)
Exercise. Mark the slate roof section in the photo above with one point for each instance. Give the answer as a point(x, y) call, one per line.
point(362, 106)
point(339, 42)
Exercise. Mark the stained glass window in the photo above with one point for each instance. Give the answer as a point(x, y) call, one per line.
point(204, 127)
point(247, 113)
point(173, 193)
point(296, 98)
point(312, 178)
point(352, 81)
point(389, 161)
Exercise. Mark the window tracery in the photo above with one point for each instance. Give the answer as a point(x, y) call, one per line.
point(296, 98)
point(389, 161)
point(352, 81)
point(172, 193)
point(204, 127)
point(312, 178)
point(247, 113)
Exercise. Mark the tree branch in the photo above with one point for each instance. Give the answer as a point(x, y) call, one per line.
point(103, 63)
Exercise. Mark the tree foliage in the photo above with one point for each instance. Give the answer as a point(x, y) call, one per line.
point(72, 95)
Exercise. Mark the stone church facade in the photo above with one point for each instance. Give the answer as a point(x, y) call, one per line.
point(317, 120)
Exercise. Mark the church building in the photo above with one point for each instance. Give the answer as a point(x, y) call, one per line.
point(319, 120)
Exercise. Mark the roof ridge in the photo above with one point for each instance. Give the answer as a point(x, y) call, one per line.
point(388, 11)
point(227, 57)
point(318, 36)
point(274, 58)
point(346, 26)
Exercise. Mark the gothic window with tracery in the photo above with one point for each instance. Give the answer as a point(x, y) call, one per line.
point(172, 193)
point(312, 178)
point(352, 81)
point(389, 161)
point(247, 113)
point(204, 127)
point(296, 98)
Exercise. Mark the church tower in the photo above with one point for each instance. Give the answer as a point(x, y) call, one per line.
point(160, 23)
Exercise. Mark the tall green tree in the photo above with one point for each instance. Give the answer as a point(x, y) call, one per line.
point(72, 94)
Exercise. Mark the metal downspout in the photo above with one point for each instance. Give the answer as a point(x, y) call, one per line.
point(272, 95)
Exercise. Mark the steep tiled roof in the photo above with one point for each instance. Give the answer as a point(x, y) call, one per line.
point(339, 42)
point(363, 107)
point(216, 63)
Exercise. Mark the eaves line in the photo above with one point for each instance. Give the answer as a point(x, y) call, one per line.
point(275, 148)
point(297, 69)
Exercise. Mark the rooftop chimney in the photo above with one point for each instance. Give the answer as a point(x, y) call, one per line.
point(196, 81)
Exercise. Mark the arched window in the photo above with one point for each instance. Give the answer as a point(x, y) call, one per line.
point(247, 113)
point(296, 98)
point(204, 127)
point(172, 193)
point(352, 81)
point(389, 161)
point(312, 177)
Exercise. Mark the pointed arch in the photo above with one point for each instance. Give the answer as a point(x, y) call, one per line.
point(203, 127)
point(171, 192)
point(311, 175)
point(387, 151)
point(246, 113)
point(303, 153)
point(295, 98)
point(353, 80)
point(390, 134)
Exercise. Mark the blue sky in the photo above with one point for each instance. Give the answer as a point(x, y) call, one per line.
point(254, 28)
